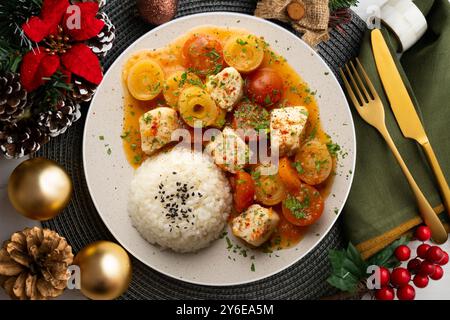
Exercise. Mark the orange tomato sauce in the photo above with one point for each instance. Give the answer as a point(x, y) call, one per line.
point(295, 92)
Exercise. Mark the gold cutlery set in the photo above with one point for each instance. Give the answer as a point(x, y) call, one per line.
point(370, 107)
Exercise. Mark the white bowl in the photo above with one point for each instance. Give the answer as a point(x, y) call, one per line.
point(108, 174)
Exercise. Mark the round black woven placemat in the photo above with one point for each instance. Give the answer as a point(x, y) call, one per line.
point(81, 224)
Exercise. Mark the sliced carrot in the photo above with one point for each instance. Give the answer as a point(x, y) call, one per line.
point(244, 191)
point(289, 175)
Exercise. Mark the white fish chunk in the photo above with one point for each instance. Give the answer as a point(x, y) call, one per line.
point(229, 151)
point(255, 225)
point(286, 128)
point(226, 88)
point(156, 127)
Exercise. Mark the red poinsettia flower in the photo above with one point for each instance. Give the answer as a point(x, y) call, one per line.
point(60, 31)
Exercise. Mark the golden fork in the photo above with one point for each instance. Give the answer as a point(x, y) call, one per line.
point(370, 108)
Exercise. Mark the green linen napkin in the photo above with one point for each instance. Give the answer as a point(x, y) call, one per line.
point(381, 207)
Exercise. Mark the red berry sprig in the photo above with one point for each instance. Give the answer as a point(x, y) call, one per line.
point(426, 266)
point(400, 277)
point(407, 292)
point(402, 253)
point(385, 293)
point(423, 233)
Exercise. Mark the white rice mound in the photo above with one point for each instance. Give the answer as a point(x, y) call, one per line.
point(190, 226)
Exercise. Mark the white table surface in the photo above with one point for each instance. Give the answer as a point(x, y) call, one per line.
point(11, 221)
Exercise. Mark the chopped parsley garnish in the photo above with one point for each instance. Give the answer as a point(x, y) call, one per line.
point(298, 166)
point(108, 151)
point(213, 54)
point(155, 89)
point(101, 138)
point(220, 123)
point(319, 164)
point(313, 133)
point(137, 159)
point(196, 82)
point(297, 207)
point(147, 118)
point(273, 57)
point(241, 42)
point(217, 69)
point(250, 116)
point(252, 267)
point(229, 243)
point(125, 134)
point(267, 100)
point(223, 234)
point(277, 241)
point(183, 79)
point(307, 100)
point(256, 175)
point(215, 57)
point(333, 148)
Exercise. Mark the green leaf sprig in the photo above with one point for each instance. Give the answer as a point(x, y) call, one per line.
point(349, 269)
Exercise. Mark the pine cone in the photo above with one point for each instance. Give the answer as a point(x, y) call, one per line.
point(103, 42)
point(83, 90)
point(33, 264)
point(13, 97)
point(21, 138)
point(56, 120)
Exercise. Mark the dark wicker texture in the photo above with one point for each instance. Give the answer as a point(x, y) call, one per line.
point(81, 224)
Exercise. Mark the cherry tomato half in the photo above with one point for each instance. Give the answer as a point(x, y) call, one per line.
point(244, 191)
point(203, 54)
point(265, 87)
point(303, 207)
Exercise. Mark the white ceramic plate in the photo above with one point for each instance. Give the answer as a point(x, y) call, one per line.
point(108, 174)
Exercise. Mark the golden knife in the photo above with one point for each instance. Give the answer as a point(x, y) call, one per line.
point(404, 110)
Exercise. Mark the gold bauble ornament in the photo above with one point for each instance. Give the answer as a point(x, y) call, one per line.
point(39, 189)
point(105, 270)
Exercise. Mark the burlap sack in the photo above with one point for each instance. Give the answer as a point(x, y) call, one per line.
point(314, 25)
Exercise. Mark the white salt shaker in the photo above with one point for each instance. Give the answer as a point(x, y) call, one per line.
point(405, 20)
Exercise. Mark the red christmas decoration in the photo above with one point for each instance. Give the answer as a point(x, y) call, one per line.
point(60, 31)
point(406, 292)
point(402, 253)
point(426, 266)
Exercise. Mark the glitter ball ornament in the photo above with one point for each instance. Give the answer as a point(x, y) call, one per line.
point(157, 11)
